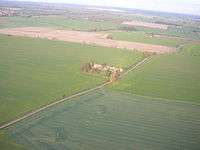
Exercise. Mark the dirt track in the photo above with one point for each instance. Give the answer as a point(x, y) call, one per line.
point(3, 126)
point(92, 38)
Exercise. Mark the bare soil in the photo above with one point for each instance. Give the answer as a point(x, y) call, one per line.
point(93, 38)
point(146, 24)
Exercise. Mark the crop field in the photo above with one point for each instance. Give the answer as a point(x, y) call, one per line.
point(173, 76)
point(99, 121)
point(78, 77)
point(141, 36)
point(92, 38)
point(8, 144)
point(146, 24)
point(56, 21)
point(34, 72)
point(184, 32)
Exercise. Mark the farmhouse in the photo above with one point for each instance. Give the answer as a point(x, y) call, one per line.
point(104, 67)
point(111, 71)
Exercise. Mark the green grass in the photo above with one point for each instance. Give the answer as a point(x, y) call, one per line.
point(140, 36)
point(192, 50)
point(171, 76)
point(56, 21)
point(111, 120)
point(81, 24)
point(7, 144)
point(34, 72)
point(183, 32)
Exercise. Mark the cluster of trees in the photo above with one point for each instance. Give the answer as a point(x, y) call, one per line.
point(109, 36)
point(114, 76)
point(88, 67)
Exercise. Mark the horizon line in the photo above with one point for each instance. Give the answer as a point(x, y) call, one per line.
point(139, 9)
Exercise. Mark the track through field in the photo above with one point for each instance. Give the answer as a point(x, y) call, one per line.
point(105, 120)
point(70, 97)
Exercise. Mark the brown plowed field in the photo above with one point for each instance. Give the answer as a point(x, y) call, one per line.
point(146, 24)
point(92, 38)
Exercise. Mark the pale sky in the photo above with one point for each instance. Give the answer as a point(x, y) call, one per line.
point(178, 6)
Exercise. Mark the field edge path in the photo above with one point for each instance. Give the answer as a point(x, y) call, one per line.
point(72, 96)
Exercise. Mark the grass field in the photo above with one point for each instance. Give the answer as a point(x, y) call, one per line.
point(34, 72)
point(171, 76)
point(87, 25)
point(7, 144)
point(192, 50)
point(56, 21)
point(140, 36)
point(183, 32)
point(154, 107)
point(111, 120)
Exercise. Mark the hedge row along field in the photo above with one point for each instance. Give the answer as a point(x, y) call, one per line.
point(170, 76)
point(34, 72)
point(111, 120)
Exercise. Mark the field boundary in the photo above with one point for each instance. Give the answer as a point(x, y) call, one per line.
point(89, 38)
point(135, 66)
point(72, 96)
point(164, 99)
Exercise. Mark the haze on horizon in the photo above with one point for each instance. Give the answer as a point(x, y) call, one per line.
point(176, 6)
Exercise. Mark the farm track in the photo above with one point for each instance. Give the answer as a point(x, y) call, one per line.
point(100, 116)
point(135, 66)
point(72, 96)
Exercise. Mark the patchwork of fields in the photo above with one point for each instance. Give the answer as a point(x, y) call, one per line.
point(56, 21)
point(85, 38)
point(35, 72)
point(88, 25)
point(140, 36)
point(99, 121)
point(155, 106)
point(146, 24)
point(174, 76)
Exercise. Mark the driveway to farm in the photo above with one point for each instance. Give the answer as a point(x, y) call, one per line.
point(92, 38)
point(70, 97)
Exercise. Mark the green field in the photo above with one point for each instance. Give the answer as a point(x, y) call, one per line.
point(186, 32)
point(34, 72)
point(87, 25)
point(111, 120)
point(56, 21)
point(7, 144)
point(154, 107)
point(141, 36)
point(192, 50)
point(170, 76)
